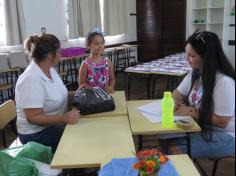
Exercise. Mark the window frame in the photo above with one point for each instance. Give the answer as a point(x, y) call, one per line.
point(2, 24)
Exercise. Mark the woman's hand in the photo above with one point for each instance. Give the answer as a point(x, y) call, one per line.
point(182, 110)
point(72, 116)
point(178, 103)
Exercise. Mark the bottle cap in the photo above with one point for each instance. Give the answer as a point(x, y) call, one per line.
point(167, 94)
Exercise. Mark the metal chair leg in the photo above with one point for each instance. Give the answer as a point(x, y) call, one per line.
point(3, 138)
point(13, 126)
point(1, 96)
point(200, 167)
point(215, 167)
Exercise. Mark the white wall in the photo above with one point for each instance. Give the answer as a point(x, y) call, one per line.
point(229, 33)
point(45, 13)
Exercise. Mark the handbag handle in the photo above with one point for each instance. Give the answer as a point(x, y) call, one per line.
point(102, 93)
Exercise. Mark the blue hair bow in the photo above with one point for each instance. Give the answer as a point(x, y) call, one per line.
point(98, 30)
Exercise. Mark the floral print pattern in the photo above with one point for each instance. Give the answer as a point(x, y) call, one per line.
point(196, 94)
point(98, 74)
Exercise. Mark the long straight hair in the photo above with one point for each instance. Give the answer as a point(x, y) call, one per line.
point(208, 46)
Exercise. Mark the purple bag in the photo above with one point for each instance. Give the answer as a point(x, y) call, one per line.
point(73, 51)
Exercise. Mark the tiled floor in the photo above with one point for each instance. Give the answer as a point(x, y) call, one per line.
point(138, 92)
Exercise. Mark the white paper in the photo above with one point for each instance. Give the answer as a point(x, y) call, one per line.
point(151, 117)
point(153, 112)
point(152, 108)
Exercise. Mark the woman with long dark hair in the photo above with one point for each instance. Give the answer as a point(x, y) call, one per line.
point(208, 95)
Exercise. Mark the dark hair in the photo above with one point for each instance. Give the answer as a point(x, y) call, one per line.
point(208, 46)
point(91, 36)
point(40, 46)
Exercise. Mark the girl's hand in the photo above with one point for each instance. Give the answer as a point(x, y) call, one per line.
point(72, 116)
point(85, 86)
point(109, 89)
point(81, 86)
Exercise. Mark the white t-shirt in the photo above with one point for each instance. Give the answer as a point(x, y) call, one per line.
point(223, 97)
point(35, 90)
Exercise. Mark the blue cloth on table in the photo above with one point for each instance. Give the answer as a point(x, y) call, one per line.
point(124, 167)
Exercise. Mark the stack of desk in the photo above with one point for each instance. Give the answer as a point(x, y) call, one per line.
point(8, 79)
point(173, 66)
point(121, 55)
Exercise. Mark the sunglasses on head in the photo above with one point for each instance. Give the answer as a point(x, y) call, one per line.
point(200, 35)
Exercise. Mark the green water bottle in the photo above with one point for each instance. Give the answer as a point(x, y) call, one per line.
point(167, 106)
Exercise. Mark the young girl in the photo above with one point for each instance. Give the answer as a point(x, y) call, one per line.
point(96, 71)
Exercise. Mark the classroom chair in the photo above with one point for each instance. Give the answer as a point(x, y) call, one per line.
point(7, 117)
point(5, 87)
point(215, 164)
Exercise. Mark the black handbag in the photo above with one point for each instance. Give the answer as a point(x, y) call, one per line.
point(90, 101)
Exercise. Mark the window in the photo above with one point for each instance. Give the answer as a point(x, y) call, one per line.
point(102, 13)
point(67, 18)
point(2, 24)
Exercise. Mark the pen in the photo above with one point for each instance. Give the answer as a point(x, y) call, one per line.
point(183, 121)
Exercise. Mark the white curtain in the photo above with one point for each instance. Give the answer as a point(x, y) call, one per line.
point(15, 22)
point(116, 16)
point(84, 16)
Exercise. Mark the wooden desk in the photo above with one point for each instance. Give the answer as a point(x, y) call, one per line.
point(184, 165)
point(94, 141)
point(151, 77)
point(121, 108)
point(142, 126)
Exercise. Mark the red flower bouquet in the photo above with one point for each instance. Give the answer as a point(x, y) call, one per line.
point(149, 162)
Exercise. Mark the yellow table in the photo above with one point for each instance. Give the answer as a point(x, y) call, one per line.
point(94, 141)
point(142, 126)
point(184, 165)
point(120, 110)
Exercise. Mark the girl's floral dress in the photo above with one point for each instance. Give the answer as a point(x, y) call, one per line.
point(98, 74)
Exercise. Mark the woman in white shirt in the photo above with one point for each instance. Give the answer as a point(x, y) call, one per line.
point(41, 97)
point(208, 95)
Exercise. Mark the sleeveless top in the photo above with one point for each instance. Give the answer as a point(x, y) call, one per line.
point(98, 74)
